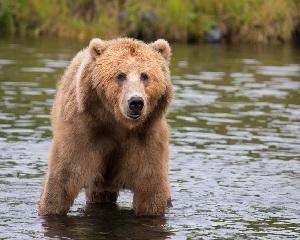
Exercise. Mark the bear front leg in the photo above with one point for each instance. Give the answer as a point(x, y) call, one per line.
point(152, 196)
point(60, 190)
point(61, 185)
point(151, 186)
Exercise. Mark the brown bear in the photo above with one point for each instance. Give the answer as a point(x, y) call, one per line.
point(109, 127)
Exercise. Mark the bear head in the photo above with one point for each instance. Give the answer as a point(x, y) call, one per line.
point(131, 78)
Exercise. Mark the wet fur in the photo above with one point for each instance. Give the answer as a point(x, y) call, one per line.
point(95, 147)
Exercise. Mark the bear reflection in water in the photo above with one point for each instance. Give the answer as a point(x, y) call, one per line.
point(105, 222)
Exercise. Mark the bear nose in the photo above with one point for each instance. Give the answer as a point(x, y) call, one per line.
point(136, 103)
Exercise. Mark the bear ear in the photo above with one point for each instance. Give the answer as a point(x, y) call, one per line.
point(163, 47)
point(97, 46)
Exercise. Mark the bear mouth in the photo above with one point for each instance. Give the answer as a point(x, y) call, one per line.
point(134, 116)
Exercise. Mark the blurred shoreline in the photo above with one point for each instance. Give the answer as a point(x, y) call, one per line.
point(189, 21)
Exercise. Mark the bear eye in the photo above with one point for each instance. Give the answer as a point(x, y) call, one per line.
point(144, 77)
point(121, 77)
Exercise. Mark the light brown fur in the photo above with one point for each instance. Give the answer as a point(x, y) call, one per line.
point(95, 146)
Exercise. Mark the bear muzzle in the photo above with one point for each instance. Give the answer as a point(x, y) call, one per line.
point(135, 107)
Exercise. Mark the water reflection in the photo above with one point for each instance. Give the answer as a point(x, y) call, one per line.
point(105, 222)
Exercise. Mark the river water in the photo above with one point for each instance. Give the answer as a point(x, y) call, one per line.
point(235, 146)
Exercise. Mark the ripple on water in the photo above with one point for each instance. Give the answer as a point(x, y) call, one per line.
point(6, 62)
point(287, 70)
point(206, 76)
point(37, 69)
point(55, 63)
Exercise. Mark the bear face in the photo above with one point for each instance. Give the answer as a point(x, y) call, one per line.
point(131, 78)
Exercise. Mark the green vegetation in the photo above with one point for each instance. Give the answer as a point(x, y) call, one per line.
point(263, 21)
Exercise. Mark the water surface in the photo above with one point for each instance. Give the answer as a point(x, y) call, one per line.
point(235, 146)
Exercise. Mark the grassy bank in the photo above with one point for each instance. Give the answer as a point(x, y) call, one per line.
point(257, 21)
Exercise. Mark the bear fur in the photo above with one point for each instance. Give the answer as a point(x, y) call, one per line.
point(96, 145)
